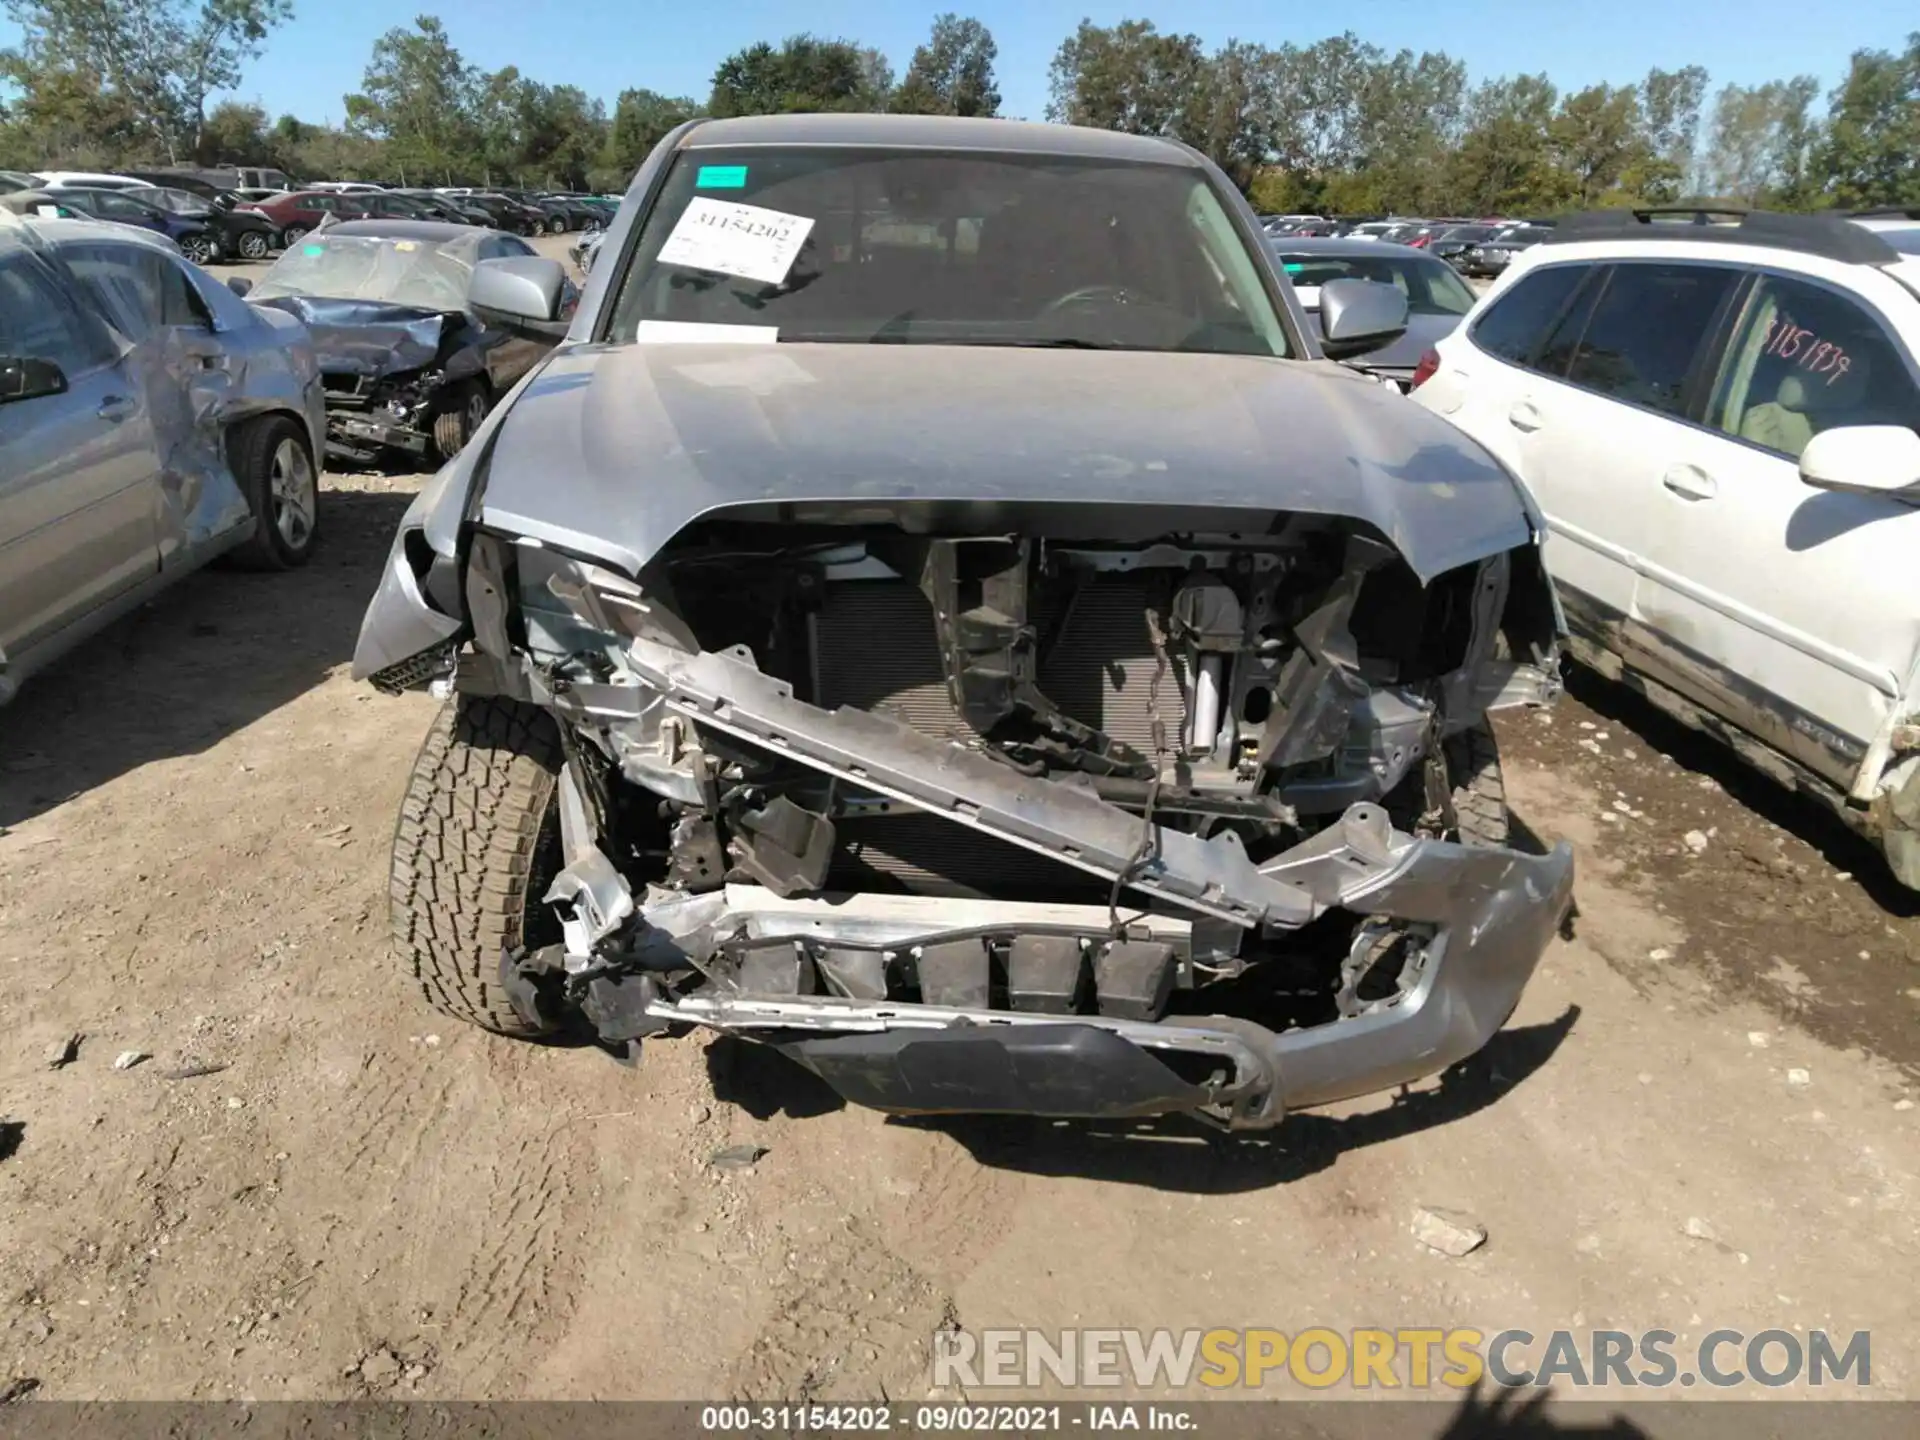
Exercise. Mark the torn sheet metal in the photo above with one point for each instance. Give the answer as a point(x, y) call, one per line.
point(204, 383)
point(367, 337)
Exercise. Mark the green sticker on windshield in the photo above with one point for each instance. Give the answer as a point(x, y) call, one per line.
point(313, 249)
point(721, 177)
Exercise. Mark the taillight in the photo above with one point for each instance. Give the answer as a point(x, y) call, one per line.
point(1424, 371)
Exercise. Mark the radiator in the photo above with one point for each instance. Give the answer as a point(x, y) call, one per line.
point(877, 650)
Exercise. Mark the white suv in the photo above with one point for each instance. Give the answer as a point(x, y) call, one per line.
point(1721, 425)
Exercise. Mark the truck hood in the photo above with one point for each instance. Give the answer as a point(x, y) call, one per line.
point(367, 337)
point(610, 451)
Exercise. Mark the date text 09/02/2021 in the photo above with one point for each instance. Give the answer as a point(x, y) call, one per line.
point(937, 1418)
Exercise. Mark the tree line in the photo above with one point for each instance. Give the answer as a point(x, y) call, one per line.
point(1338, 126)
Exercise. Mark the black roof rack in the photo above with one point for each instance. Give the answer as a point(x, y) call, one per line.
point(1831, 237)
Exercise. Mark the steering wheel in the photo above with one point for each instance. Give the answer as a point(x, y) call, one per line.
point(1116, 294)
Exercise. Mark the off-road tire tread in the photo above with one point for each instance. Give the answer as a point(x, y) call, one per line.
point(250, 450)
point(1479, 789)
point(476, 830)
point(450, 432)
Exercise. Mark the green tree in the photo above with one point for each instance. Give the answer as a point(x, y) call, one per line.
point(1409, 118)
point(1758, 141)
point(326, 152)
point(561, 133)
point(1504, 164)
point(160, 59)
point(64, 118)
point(1233, 113)
point(1870, 152)
point(1670, 102)
point(235, 134)
point(496, 107)
point(805, 73)
point(952, 74)
point(1128, 77)
point(417, 97)
point(1596, 139)
point(1323, 88)
point(641, 119)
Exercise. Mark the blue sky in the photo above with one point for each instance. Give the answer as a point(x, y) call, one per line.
point(605, 46)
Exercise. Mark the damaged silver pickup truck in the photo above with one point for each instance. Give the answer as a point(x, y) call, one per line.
point(940, 613)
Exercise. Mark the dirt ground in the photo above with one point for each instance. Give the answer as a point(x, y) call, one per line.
point(359, 1197)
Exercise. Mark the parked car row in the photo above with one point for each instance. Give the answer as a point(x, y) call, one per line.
point(211, 223)
point(1473, 247)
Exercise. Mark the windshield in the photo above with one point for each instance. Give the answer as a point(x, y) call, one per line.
point(925, 247)
point(1431, 286)
point(420, 273)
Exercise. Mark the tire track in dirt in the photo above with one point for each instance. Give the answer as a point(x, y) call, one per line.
point(851, 1322)
point(958, 1207)
point(519, 1286)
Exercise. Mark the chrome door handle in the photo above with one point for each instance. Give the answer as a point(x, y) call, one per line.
point(1690, 482)
point(1525, 416)
point(114, 409)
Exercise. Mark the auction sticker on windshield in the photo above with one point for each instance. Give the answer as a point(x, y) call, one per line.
point(735, 239)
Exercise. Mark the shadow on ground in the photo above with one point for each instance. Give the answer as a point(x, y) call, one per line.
point(202, 660)
point(765, 1083)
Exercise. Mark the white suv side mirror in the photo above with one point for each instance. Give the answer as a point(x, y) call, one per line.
point(1864, 460)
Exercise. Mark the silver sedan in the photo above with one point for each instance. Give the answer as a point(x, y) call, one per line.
point(150, 420)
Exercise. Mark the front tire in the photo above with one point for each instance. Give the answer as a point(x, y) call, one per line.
point(275, 469)
point(557, 225)
point(252, 245)
point(454, 426)
point(291, 236)
point(1479, 788)
point(200, 249)
point(477, 844)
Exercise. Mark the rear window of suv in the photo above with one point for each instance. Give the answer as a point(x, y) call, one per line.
point(1516, 324)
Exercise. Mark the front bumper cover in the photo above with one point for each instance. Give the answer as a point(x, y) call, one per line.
point(1493, 912)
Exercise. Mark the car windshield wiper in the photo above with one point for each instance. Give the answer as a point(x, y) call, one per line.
point(1056, 342)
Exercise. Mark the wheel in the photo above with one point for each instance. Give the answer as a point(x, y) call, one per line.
point(455, 424)
point(556, 224)
point(477, 844)
point(1479, 791)
point(200, 249)
point(276, 472)
point(290, 236)
point(252, 245)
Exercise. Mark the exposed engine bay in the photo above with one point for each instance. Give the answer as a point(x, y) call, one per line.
point(860, 792)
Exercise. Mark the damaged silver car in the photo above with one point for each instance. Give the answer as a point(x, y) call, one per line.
point(940, 613)
point(149, 422)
